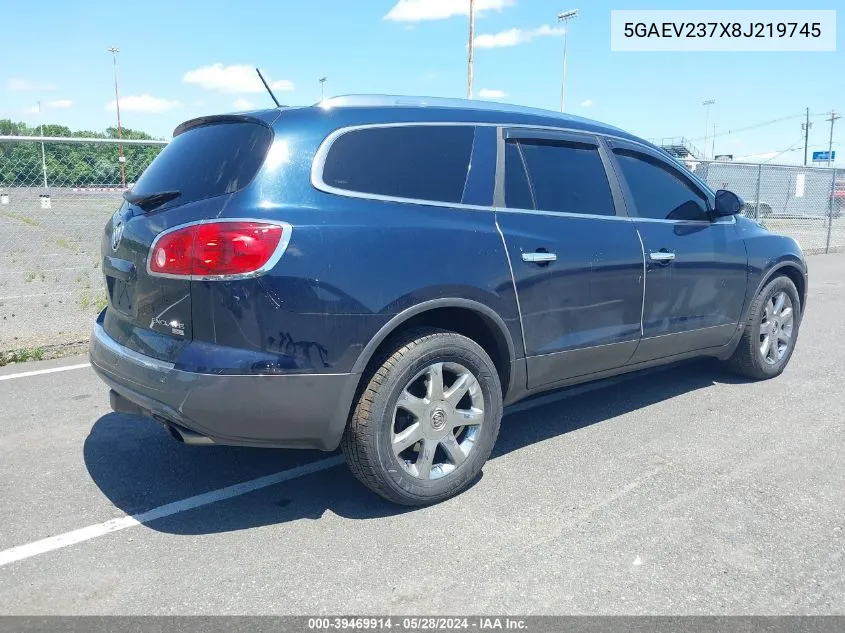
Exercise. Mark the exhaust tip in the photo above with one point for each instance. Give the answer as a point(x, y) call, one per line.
point(183, 435)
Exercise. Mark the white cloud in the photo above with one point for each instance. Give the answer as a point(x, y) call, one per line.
point(143, 103)
point(243, 104)
point(232, 79)
point(490, 93)
point(514, 37)
point(418, 10)
point(20, 84)
point(586, 103)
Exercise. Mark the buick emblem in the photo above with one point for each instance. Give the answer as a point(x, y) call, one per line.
point(438, 419)
point(116, 234)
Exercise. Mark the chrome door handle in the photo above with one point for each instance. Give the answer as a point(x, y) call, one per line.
point(661, 256)
point(539, 257)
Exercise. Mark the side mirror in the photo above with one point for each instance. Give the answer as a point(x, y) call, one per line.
point(727, 203)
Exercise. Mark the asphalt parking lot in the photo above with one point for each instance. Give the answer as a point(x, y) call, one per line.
point(680, 491)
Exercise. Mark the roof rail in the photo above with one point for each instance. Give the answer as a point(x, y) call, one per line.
point(364, 101)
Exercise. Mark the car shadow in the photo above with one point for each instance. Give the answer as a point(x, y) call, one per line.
point(138, 466)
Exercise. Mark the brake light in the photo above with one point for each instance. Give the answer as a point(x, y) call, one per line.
point(217, 249)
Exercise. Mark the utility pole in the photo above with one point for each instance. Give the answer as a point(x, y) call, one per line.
point(471, 37)
point(707, 104)
point(120, 158)
point(806, 127)
point(565, 17)
point(323, 89)
point(43, 155)
point(832, 119)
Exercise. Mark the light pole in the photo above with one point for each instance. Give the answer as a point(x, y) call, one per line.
point(322, 89)
point(43, 156)
point(707, 104)
point(471, 37)
point(564, 17)
point(805, 127)
point(713, 143)
point(120, 158)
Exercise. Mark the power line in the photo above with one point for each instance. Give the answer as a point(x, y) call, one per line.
point(795, 147)
point(757, 125)
point(791, 148)
point(765, 123)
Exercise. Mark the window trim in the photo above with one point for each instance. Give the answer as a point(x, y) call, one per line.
point(673, 168)
point(630, 145)
point(319, 163)
point(607, 139)
point(535, 133)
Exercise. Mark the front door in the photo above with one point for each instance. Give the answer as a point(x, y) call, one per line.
point(577, 266)
point(696, 265)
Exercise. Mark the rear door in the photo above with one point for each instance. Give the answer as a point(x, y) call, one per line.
point(577, 264)
point(194, 178)
point(696, 265)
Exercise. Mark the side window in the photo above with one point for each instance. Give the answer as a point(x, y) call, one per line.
point(567, 176)
point(423, 162)
point(659, 191)
point(517, 189)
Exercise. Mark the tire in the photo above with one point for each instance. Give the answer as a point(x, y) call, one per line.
point(409, 370)
point(753, 357)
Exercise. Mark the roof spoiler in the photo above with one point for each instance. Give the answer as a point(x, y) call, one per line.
point(216, 118)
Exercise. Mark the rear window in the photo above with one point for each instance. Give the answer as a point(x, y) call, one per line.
point(207, 161)
point(422, 162)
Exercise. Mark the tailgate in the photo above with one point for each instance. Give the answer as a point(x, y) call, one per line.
point(192, 179)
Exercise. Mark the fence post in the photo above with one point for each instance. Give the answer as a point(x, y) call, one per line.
point(757, 197)
point(830, 209)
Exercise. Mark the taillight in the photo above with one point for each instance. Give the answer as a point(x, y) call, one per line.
point(218, 249)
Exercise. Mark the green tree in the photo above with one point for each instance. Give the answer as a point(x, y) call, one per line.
point(70, 164)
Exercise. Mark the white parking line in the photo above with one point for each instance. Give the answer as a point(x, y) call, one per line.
point(60, 541)
point(113, 525)
point(37, 294)
point(38, 372)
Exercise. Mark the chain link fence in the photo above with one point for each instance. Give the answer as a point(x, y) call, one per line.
point(807, 203)
point(56, 195)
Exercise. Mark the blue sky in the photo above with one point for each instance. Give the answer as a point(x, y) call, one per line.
point(176, 62)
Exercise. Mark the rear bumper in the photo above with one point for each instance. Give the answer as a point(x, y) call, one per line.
point(287, 410)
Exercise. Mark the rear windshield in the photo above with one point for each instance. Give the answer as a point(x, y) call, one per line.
point(420, 162)
point(207, 161)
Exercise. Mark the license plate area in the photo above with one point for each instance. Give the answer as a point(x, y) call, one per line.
point(121, 295)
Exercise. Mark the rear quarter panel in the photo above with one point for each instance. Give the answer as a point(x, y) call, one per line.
point(351, 265)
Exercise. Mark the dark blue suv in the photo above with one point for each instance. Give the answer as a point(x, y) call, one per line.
point(384, 274)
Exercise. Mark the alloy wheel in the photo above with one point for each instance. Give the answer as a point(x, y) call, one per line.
point(776, 328)
point(436, 420)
